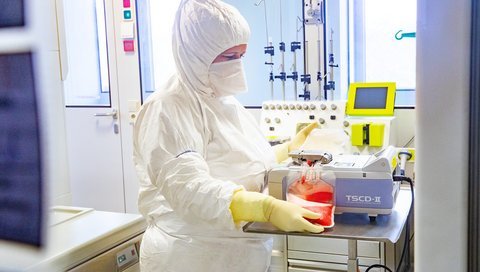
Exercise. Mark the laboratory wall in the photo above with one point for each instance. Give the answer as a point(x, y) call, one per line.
point(59, 187)
point(443, 46)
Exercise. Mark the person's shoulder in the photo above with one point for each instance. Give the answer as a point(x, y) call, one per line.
point(167, 94)
point(172, 99)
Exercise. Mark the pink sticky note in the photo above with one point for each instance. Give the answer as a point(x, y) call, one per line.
point(126, 3)
point(128, 46)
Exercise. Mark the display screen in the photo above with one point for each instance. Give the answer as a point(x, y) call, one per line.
point(371, 98)
point(20, 152)
point(12, 13)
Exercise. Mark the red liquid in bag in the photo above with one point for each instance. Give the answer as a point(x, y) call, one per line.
point(325, 210)
point(322, 197)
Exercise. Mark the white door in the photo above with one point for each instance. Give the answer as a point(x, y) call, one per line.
point(102, 89)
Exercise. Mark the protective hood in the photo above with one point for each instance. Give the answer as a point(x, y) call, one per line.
point(202, 30)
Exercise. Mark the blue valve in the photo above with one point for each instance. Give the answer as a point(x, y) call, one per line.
point(329, 86)
point(269, 50)
point(294, 76)
point(294, 46)
point(305, 95)
point(331, 61)
point(282, 76)
point(306, 79)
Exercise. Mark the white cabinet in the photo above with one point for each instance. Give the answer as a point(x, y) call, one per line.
point(317, 254)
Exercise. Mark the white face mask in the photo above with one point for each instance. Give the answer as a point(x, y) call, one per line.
point(227, 78)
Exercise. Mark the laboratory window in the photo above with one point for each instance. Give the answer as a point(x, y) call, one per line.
point(380, 41)
point(382, 44)
point(87, 82)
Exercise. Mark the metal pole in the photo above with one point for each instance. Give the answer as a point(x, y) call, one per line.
point(352, 256)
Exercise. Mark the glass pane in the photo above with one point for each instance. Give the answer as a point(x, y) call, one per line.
point(387, 58)
point(87, 83)
point(155, 42)
point(382, 44)
point(271, 22)
point(155, 21)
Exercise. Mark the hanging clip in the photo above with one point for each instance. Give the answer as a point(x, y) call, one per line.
point(404, 35)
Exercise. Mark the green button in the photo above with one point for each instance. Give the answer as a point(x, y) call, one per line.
point(127, 14)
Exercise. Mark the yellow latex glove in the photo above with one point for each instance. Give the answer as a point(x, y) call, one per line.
point(301, 136)
point(281, 150)
point(286, 216)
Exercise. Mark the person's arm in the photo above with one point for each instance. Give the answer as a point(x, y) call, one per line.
point(171, 143)
point(281, 150)
point(257, 207)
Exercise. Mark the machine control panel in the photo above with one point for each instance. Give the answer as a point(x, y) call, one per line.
point(281, 120)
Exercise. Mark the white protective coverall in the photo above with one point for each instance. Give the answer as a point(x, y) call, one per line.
point(193, 148)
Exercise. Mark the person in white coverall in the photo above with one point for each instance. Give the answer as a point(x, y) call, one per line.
point(202, 159)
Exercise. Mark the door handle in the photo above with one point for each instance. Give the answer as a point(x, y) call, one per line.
point(113, 114)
